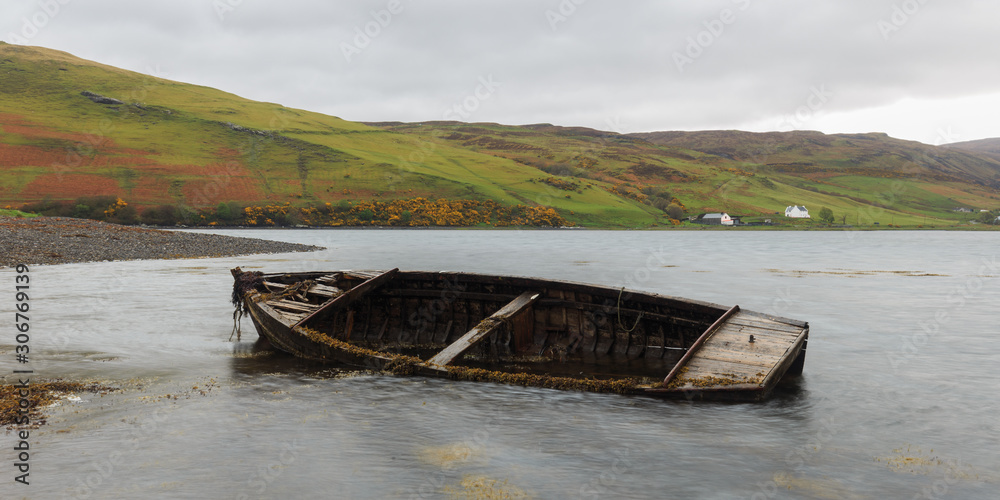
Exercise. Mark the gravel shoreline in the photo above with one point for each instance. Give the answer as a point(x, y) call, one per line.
point(63, 240)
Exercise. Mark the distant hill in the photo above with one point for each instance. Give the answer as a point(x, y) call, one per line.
point(71, 128)
point(985, 147)
point(804, 151)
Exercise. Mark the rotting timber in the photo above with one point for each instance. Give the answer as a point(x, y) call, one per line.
point(523, 331)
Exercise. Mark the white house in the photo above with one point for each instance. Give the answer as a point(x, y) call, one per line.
point(797, 212)
point(717, 218)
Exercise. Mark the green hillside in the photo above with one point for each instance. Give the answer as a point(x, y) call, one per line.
point(857, 175)
point(153, 142)
point(72, 131)
point(863, 178)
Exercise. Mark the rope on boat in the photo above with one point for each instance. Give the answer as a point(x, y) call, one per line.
point(620, 325)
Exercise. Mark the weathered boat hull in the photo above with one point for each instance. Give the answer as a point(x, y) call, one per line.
point(526, 331)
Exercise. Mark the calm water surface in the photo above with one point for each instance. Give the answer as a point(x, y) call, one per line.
point(899, 398)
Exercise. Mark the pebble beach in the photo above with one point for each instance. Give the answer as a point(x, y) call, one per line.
point(63, 240)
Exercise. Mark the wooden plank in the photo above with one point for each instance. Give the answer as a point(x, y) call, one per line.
point(766, 336)
point(787, 361)
point(740, 337)
point(777, 319)
point(352, 295)
point(483, 329)
point(759, 347)
point(752, 320)
point(524, 332)
point(451, 295)
point(289, 317)
point(605, 338)
point(291, 305)
point(762, 328)
point(555, 303)
point(800, 360)
point(368, 320)
point(461, 318)
point(698, 343)
point(324, 290)
point(627, 313)
point(732, 392)
point(350, 324)
point(739, 357)
point(729, 355)
point(768, 325)
point(274, 286)
point(701, 367)
point(365, 275)
point(381, 331)
point(330, 279)
point(589, 332)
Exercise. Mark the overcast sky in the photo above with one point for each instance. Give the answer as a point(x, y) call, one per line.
point(924, 70)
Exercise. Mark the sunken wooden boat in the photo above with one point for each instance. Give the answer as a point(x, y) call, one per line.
point(524, 331)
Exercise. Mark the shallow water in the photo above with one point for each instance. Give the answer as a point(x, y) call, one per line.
point(898, 400)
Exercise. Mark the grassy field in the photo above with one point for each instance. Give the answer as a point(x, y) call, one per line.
point(162, 142)
point(15, 213)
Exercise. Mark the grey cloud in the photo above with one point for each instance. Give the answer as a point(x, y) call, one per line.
point(558, 61)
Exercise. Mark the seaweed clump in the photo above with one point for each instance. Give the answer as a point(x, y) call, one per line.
point(397, 364)
point(244, 282)
point(401, 364)
point(618, 386)
point(724, 379)
point(40, 395)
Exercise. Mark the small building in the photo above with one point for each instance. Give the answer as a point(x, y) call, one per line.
point(797, 212)
point(717, 219)
point(963, 210)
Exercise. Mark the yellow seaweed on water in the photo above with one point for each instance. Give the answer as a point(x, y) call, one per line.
point(475, 487)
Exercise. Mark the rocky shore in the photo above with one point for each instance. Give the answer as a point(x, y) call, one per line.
point(61, 240)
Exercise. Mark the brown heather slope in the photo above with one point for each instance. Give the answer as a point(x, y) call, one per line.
point(984, 147)
point(869, 153)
